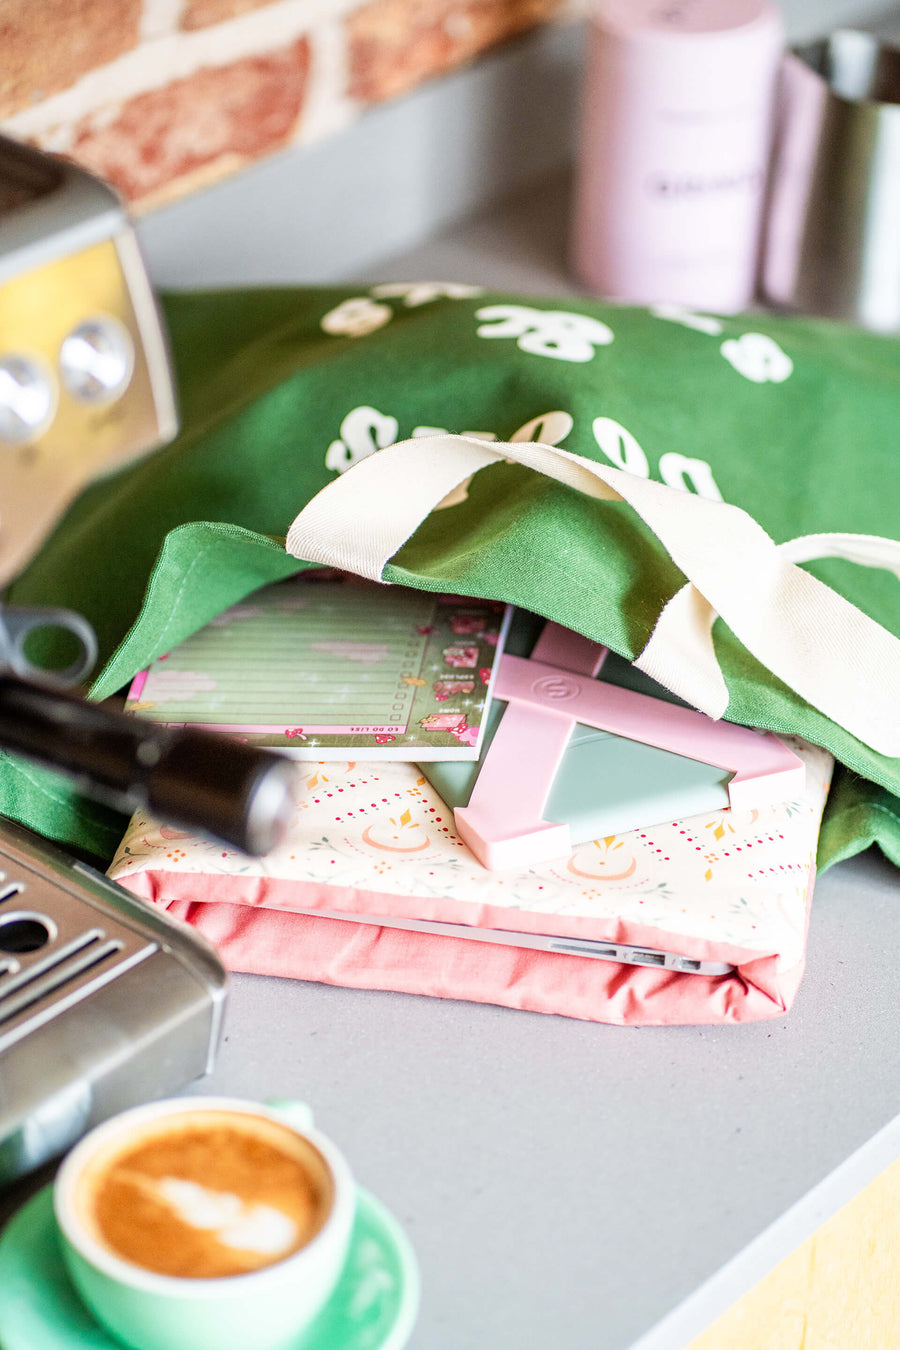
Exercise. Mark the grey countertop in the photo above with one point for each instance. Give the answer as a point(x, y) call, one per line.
point(593, 1187)
point(569, 1184)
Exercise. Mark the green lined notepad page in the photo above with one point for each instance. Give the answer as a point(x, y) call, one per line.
point(335, 668)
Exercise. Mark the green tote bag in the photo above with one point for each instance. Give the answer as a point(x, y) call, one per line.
point(717, 499)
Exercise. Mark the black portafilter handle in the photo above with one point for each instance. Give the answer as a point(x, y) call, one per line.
point(241, 795)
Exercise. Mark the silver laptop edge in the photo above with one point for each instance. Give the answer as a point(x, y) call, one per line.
point(598, 949)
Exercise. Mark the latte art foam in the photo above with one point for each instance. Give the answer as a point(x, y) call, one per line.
point(249, 1227)
point(206, 1194)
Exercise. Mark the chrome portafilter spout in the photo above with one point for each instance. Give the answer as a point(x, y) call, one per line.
point(234, 792)
point(205, 782)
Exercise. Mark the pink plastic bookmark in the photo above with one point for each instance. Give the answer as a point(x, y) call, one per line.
point(547, 694)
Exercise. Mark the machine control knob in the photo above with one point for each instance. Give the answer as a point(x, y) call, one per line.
point(96, 360)
point(27, 398)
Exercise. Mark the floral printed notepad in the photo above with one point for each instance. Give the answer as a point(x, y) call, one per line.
point(376, 838)
point(336, 668)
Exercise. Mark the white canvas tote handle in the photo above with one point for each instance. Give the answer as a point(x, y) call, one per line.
point(842, 662)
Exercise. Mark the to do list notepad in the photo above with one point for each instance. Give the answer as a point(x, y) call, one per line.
point(336, 667)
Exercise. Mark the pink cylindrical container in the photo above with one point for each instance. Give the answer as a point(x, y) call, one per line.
point(674, 150)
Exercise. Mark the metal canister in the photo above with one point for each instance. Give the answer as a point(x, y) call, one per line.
point(832, 234)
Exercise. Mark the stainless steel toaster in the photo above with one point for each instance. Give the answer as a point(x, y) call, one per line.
point(104, 1002)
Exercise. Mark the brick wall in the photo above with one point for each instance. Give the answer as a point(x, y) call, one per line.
point(163, 96)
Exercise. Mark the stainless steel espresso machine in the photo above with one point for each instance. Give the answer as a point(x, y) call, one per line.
point(103, 1002)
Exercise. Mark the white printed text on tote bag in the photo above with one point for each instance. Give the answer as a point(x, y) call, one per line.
point(365, 430)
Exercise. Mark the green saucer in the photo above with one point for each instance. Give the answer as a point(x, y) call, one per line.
point(373, 1307)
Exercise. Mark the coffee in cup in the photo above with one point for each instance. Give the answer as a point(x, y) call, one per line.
point(205, 1195)
point(204, 1221)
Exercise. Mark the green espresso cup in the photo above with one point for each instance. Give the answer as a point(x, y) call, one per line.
point(205, 1221)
